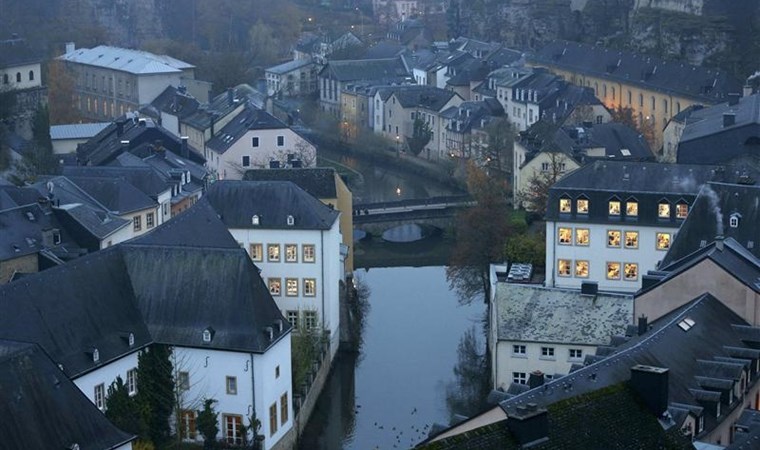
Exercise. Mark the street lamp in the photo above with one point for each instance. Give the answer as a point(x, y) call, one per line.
point(398, 146)
point(398, 190)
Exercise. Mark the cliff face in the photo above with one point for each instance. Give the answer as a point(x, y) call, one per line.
point(683, 6)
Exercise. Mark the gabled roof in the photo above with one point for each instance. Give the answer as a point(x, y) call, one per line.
point(43, 409)
point(21, 230)
point(76, 131)
point(618, 141)
point(272, 201)
point(249, 119)
point(365, 69)
point(710, 217)
point(319, 182)
point(16, 52)
point(699, 83)
point(143, 178)
point(289, 66)
point(220, 107)
point(175, 101)
point(116, 194)
point(537, 314)
point(126, 60)
point(428, 97)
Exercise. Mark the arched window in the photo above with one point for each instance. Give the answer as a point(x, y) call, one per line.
point(18, 77)
point(31, 75)
point(5, 78)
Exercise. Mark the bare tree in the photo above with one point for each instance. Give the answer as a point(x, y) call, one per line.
point(535, 195)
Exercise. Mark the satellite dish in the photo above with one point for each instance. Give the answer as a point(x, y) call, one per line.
point(50, 187)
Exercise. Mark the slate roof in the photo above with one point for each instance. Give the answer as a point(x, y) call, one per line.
point(706, 140)
point(143, 178)
point(43, 409)
point(613, 137)
point(238, 201)
point(97, 300)
point(16, 52)
point(710, 217)
point(319, 182)
point(687, 355)
point(21, 230)
point(675, 78)
point(365, 69)
point(116, 194)
point(469, 115)
point(612, 418)
point(76, 131)
point(428, 97)
point(538, 314)
point(249, 119)
point(174, 101)
point(220, 106)
point(126, 60)
point(289, 66)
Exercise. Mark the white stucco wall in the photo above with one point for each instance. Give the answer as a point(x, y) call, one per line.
point(106, 375)
point(25, 82)
point(63, 146)
point(150, 86)
point(121, 235)
point(507, 362)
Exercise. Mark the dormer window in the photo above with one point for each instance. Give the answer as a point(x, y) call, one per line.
point(682, 210)
point(581, 205)
point(733, 221)
point(255, 219)
point(565, 205)
point(663, 210)
point(614, 207)
point(95, 355)
point(631, 208)
point(131, 339)
point(207, 335)
point(291, 220)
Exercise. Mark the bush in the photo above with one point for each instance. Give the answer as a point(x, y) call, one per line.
point(526, 248)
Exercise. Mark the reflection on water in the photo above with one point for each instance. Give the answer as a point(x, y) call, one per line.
point(391, 395)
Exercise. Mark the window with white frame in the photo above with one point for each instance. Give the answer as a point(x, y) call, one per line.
point(137, 223)
point(309, 287)
point(575, 353)
point(519, 350)
point(663, 210)
point(231, 384)
point(246, 161)
point(520, 377)
point(255, 141)
point(547, 352)
point(291, 253)
point(563, 268)
point(183, 381)
point(292, 317)
point(614, 207)
point(291, 287)
point(565, 236)
point(275, 286)
point(582, 236)
point(309, 253)
point(280, 141)
point(273, 252)
point(149, 220)
point(187, 418)
point(310, 319)
point(632, 208)
point(564, 205)
point(100, 396)
point(132, 381)
point(233, 429)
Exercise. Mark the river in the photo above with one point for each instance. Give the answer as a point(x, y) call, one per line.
point(390, 394)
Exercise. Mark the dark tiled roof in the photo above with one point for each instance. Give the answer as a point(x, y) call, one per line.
point(17, 52)
point(143, 178)
point(116, 194)
point(43, 409)
point(613, 137)
point(428, 97)
point(249, 119)
point(175, 102)
point(710, 217)
point(700, 83)
point(273, 201)
point(365, 69)
point(319, 182)
point(384, 50)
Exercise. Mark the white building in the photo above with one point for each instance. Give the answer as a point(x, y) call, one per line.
point(611, 222)
point(255, 139)
point(65, 138)
point(228, 339)
point(535, 329)
point(295, 240)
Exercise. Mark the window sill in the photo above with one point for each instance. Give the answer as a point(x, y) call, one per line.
point(547, 358)
point(519, 356)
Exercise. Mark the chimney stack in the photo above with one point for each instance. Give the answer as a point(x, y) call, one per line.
point(119, 127)
point(651, 384)
point(719, 243)
point(184, 150)
point(729, 119)
point(747, 91)
point(70, 47)
point(643, 325)
point(230, 96)
point(535, 379)
point(733, 98)
point(529, 424)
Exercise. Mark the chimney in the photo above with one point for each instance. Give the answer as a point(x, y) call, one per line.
point(729, 119)
point(651, 384)
point(70, 47)
point(643, 325)
point(230, 96)
point(733, 98)
point(125, 145)
point(589, 288)
point(747, 90)
point(536, 379)
point(184, 150)
point(119, 127)
point(719, 243)
point(529, 424)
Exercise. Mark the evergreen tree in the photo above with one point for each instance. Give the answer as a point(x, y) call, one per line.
point(155, 393)
point(207, 422)
point(123, 410)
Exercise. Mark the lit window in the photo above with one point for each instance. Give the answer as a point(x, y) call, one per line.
point(566, 236)
point(563, 267)
point(631, 239)
point(183, 380)
point(518, 350)
point(291, 287)
point(257, 252)
point(310, 319)
point(564, 205)
point(309, 253)
point(631, 208)
point(581, 269)
point(273, 252)
point(284, 408)
point(582, 236)
point(613, 271)
point(275, 286)
point(682, 210)
point(613, 238)
point(631, 271)
point(309, 287)
point(293, 318)
point(663, 241)
point(614, 207)
point(233, 429)
point(132, 381)
point(547, 352)
point(231, 385)
point(100, 392)
point(576, 353)
point(519, 377)
point(663, 210)
point(291, 253)
point(582, 206)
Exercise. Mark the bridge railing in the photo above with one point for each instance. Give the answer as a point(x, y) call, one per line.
point(410, 203)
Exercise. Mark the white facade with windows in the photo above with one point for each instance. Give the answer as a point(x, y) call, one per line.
point(302, 269)
point(517, 359)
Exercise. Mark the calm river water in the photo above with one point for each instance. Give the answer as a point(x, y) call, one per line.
point(389, 395)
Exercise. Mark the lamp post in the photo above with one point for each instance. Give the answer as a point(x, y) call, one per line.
point(398, 146)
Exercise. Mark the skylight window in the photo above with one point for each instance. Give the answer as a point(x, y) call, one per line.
point(686, 324)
